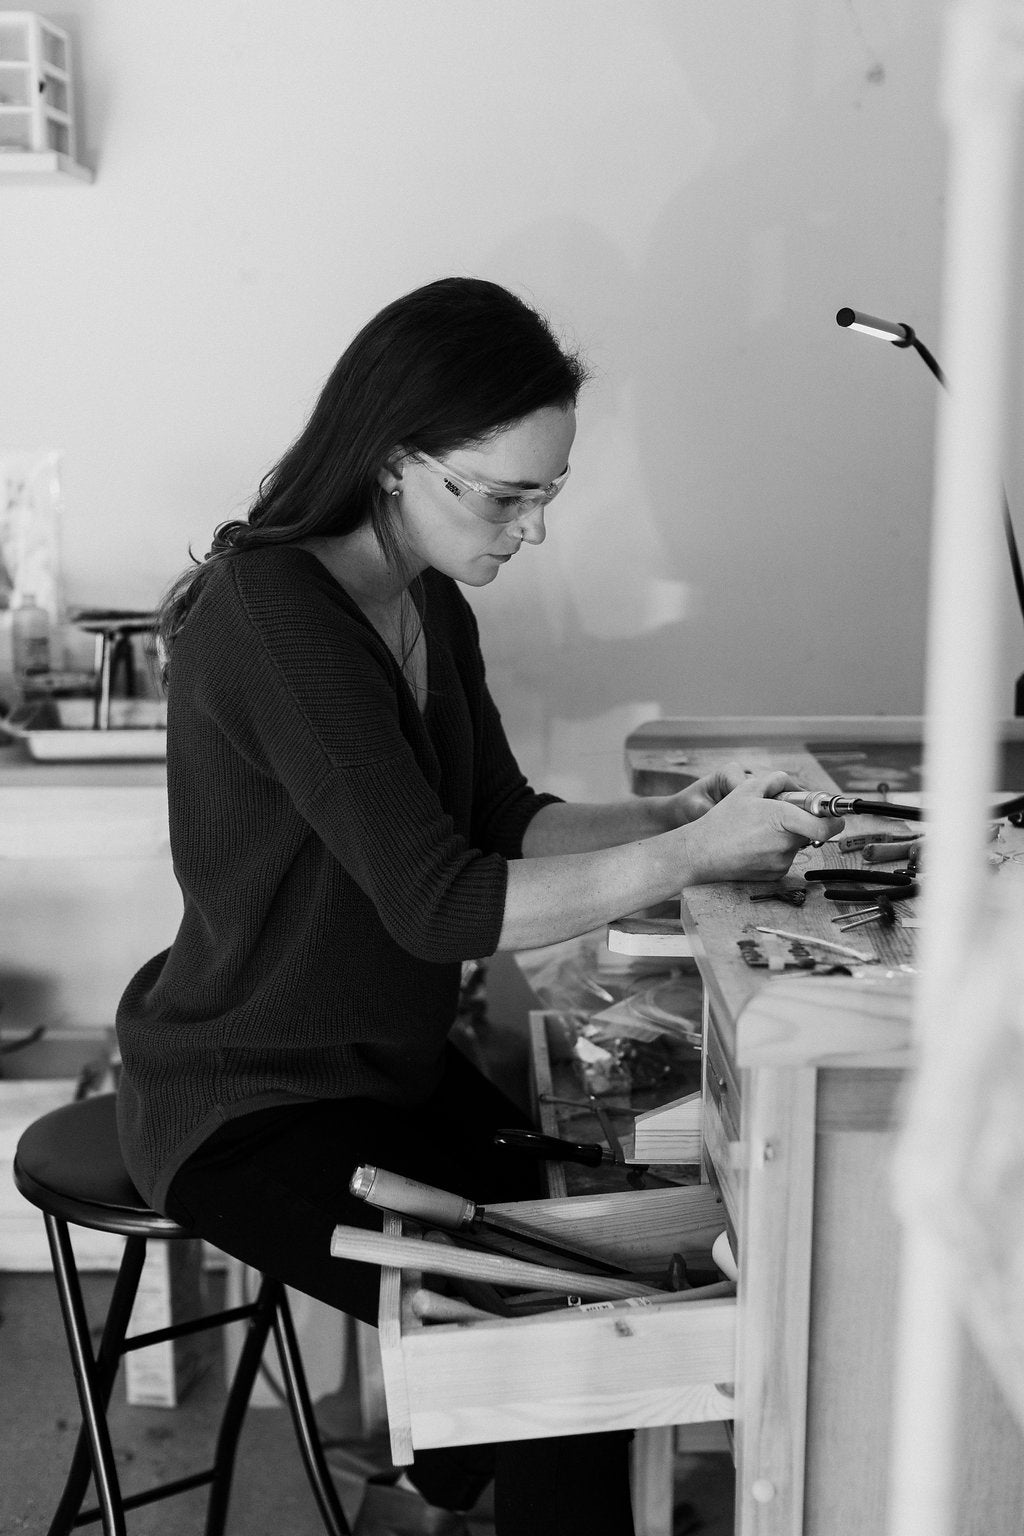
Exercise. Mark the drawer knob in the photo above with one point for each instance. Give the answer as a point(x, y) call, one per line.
point(762, 1491)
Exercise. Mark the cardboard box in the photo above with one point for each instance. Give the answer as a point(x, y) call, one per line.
point(171, 1290)
point(35, 1078)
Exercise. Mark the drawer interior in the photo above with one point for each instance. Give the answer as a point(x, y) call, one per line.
point(574, 1369)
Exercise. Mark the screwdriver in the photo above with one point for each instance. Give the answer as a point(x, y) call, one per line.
point(441, 1208)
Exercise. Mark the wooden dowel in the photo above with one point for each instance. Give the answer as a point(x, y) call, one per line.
point(445, 1259)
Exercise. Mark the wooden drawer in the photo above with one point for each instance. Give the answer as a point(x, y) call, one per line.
point(607, 1365)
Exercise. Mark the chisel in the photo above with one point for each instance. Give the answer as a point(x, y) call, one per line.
point(439, 1207)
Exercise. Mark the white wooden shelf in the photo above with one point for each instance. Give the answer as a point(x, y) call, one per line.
point(37, 127)
point(34, 168)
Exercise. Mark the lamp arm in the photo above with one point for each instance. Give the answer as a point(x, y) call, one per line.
point(900, 334)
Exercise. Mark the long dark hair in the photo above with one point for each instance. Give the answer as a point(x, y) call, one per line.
point(442, 367)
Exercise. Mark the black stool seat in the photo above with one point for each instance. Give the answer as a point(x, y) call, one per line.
point(68, 1163)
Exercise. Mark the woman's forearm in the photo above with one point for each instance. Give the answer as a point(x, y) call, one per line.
point(579, 828)
point(564, 885)
point(560, 896)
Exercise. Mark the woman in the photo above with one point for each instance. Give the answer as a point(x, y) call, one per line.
point(349, 825)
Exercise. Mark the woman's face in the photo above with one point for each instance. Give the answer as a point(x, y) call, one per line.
point(439, 528)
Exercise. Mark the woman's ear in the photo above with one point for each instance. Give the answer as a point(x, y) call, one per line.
point(390, 475)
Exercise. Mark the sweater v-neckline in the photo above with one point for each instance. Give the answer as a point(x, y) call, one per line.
point(364, 618)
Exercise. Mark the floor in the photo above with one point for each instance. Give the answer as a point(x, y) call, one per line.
point(270, 1495)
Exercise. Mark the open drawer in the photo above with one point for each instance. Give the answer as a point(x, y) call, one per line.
point(602, 1366)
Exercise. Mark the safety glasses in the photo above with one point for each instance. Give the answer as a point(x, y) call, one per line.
point(488, 501)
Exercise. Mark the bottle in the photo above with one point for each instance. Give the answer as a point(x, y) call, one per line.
point(30, 638)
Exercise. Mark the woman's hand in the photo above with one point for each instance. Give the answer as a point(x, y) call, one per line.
point(699, 797)
point(748, 834)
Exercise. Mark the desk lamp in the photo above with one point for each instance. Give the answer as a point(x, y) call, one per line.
point(902, 335)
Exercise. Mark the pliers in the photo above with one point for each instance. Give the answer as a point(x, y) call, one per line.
point(858, 877)
point(877, 891)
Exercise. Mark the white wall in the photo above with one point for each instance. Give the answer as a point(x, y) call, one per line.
point(689, 190)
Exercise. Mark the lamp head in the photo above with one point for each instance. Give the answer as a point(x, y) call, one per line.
point(886, 330)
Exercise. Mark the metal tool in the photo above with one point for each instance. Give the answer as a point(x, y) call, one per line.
point(795, 895)
point(873, 892)
point(440, 1207)
point(894, 877)
point(636, 1173)
point(882, 912)
point(604, 1120)
point(810, 938)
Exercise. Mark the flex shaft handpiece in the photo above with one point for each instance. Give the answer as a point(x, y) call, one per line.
point(817, 803)
point(440, 1208)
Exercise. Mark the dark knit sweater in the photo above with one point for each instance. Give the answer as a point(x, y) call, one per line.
point(339, 855)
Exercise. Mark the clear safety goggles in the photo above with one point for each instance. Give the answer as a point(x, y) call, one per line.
point(490, 502)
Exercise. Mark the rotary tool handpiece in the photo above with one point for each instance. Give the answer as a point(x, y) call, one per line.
point(814, 801)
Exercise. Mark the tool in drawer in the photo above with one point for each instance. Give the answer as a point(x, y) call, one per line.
point(454, 1213)
point(365, 1247)
point(590, 1154)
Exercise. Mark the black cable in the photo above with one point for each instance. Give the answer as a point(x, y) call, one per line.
point(846, 317)
point(911, 340)
point(851, 805)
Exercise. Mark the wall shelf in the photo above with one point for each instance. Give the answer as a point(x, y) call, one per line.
point(35, 169)
point(37, 126)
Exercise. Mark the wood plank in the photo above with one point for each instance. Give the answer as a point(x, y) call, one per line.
point(774, 1301)
point(392, 1358)
point(545, 1112)
point(869, 1100)
point(638, 1226)
point(856, 1244)
point(827, 1021)
point(654, 1455)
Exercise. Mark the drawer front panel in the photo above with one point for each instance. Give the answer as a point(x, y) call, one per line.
point(573, 1374)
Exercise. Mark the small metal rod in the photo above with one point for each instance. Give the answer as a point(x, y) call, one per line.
point(810, 938)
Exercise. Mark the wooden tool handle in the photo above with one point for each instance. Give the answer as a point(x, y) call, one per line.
point(441, 1259)
point(394, 1192)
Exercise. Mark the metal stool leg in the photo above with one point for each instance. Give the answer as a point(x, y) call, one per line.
point(304, 1419)
point(94, 1377)
point(257, 1333)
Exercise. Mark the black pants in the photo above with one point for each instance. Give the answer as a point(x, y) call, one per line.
point(268, 1188)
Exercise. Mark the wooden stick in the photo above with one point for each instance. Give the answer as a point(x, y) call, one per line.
point(445, 1259)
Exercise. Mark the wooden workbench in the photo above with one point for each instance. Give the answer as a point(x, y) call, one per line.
point(803, 1076)
point(803, 1084)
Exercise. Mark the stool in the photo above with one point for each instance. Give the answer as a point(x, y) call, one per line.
point(68, 1163)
